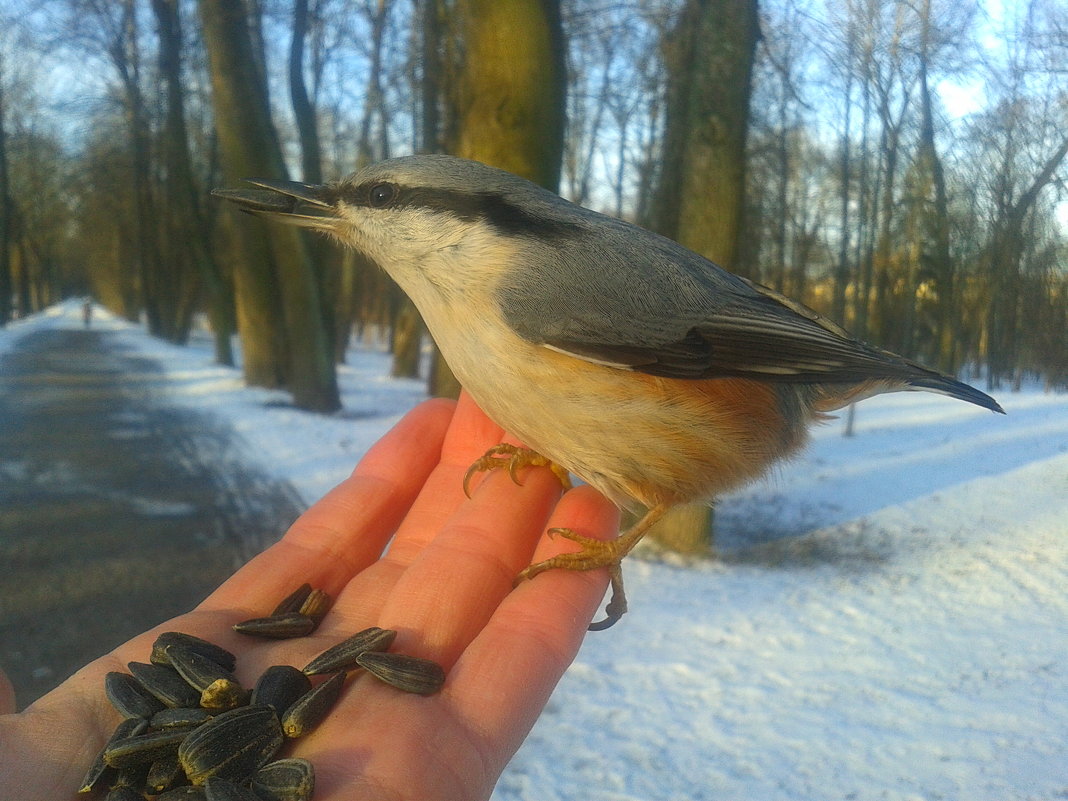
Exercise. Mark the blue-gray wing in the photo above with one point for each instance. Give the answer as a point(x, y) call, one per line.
point(622, 296)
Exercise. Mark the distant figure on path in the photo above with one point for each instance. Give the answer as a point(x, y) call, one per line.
point(87, 311)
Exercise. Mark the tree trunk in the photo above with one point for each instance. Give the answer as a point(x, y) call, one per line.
point(303, 111)
point(841, 267)
point(512, 87)
point(941, 263)
point(701, 194)
point(283, 343)
point(124, 52)
point(183, 223)
point(510, 99)
point(407, 330)
point(325, 257)
point(5, 216)
point(1005, 249)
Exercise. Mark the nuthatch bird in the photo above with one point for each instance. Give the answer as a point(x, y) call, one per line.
point(610, 351)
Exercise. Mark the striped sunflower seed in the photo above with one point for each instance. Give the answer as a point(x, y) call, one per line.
point(308, 711)
point(277, 627)
point(408, 673)
point(232, 745)
point(343, 655)
point(129, 696)
point(215, 653)
point(285, 780)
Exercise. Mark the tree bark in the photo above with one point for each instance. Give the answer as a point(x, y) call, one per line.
point(5, 215)
point(284, 343)
point(701, 194)
point(512, 87)
point(510, 100)
point(941, 262)
point(183, 225)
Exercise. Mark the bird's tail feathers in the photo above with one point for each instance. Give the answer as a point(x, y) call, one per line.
point(945, 385)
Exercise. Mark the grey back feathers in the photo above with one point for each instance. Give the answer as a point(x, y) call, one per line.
point(610, 292)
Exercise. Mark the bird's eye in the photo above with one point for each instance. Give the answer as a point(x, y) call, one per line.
point(382, 195)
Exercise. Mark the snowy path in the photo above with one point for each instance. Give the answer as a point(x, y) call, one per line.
point(117, 510)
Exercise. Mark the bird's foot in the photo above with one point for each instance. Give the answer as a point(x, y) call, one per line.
point(514, 458)
point(594, 553)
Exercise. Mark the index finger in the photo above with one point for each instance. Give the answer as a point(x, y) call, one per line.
point(347, 530)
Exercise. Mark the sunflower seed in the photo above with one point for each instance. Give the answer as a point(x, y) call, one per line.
point(315, 605)
point(198, 670)
point(310, 709)
point(218, 789)
point(280, 686)
point(165, 683)
point(285, 780)
point(123, 793)
point(277, 627)
point(129, 696)
point(185, 793)
point(144, 748)
point(180, 716)
point(408, 673)
point(219, 689)
point(231, 745)
point(164, 773)
point(100, 768)
point(343, 655)
point(293, 601)
point(215, 653)
point(132, 776)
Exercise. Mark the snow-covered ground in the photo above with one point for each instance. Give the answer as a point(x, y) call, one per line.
point(889, 618)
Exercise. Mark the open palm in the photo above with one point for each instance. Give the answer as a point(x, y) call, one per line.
point(445, 585)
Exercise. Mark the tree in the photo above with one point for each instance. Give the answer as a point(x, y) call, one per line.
point(935, 255)
point(284, 343)
point(511, 89)
point(701, 191)
point(114, 31)
point(184, 231)
point(509, 98)
point(6, 208)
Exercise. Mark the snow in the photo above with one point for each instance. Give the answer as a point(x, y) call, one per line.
point(888, 618)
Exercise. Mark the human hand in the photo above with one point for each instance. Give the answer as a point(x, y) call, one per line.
point(445, 585)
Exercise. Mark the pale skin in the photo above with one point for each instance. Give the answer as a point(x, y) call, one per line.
point(445, 584)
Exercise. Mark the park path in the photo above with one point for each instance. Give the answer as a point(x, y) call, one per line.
point(118, 510)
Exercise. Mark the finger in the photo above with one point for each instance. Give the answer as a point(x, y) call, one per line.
point(502, 681)
point(347, 530)
point(471, 433)
point(446, 595)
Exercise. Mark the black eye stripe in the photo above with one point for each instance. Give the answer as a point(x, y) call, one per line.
point(488, 207)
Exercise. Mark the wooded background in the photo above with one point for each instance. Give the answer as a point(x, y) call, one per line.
point(898, 165)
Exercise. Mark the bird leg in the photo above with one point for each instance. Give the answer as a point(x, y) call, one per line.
point(514, 458)
point(596, 553)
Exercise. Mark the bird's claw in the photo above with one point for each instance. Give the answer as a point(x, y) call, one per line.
point(514, 458)
point(594, 553)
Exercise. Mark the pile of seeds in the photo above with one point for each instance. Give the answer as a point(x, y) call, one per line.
point(191, 731)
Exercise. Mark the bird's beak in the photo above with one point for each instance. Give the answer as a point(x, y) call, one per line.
point(306, 205)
